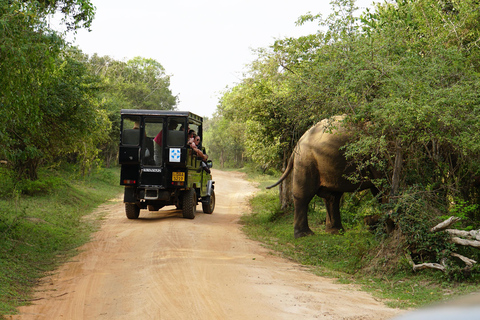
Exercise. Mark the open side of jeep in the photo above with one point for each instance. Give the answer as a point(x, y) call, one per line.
point(158, 168)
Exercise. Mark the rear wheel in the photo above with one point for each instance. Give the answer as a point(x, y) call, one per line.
point(209, 206)
point(189, 204)
point(132, 210)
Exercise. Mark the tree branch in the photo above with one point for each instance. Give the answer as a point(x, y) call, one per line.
point(422, 266)
point(445, 224)
point(464, 242)
point(468, 261)
point(474, 234)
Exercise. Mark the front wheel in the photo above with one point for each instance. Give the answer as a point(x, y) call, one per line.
point(209, 206)
point(189, 204)
point(132, 210)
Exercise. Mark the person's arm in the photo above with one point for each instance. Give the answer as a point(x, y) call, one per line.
point(200, 154)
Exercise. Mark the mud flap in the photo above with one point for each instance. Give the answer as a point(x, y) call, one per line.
point(129, 195)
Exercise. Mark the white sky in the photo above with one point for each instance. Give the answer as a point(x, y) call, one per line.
point(203, 45)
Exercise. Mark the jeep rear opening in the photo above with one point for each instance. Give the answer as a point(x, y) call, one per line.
point(160, 163)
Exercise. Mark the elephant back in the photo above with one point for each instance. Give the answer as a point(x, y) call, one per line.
point(330, 131)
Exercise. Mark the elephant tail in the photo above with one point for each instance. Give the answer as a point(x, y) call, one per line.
point(286, 172)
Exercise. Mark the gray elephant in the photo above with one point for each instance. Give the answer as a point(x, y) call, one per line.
point(320, 168)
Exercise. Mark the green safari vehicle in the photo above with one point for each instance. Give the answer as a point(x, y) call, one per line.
point(158, 167)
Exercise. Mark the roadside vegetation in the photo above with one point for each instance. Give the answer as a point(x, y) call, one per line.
point(43, 222)
point(406, 74)
point(360, 255)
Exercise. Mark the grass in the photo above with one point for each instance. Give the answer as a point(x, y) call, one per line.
point(357, 256)
point(41, 224)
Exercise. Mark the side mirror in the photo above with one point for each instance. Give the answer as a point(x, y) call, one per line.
point(209, 164)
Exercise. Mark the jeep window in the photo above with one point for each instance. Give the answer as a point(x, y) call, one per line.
point(193, 127)
point(176, 132)
point(153, 154)
point(131, 131)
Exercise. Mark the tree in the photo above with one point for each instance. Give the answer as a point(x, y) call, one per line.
point(147, 86)
point(74, 121)
point(29, 55)
point(225, 140)
point(136, 84)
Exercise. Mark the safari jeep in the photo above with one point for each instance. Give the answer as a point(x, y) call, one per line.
point(158, 167)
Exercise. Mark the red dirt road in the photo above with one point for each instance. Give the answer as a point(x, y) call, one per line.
point(162, 266)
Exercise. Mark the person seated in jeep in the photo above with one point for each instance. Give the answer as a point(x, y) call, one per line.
point(192, 143)
point(197, 149)
point(191, 138)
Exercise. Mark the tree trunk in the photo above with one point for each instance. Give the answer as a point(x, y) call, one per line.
point(397, 168)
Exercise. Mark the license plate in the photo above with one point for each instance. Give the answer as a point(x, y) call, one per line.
point(178, 176)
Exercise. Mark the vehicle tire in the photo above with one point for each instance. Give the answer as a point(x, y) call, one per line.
point(209, 206)
point(189, 204)
point(132, 210)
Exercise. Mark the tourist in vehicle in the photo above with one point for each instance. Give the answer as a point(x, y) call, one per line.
point(201, 154)
point(193, 144)
point(191, 138)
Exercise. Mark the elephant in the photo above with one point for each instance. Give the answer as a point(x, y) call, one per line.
point(320, 168)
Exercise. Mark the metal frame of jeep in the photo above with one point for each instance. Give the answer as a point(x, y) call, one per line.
point(158, 168)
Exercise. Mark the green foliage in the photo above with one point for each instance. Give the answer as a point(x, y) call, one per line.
point(39, 232)
point(41, 186)
point(45, 94)
point(461, 209)
point(56, 105)
point(139, 83)
point(225, 141)
point(267, 106)
point(357, 206)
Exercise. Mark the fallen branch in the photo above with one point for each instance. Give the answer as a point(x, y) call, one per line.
point(468, 261)
point(422, 266)
point(474, 234)
point(445, 224)
point(464, 242)
point(456, 234)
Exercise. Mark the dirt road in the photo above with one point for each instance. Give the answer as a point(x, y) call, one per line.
point(162, 266)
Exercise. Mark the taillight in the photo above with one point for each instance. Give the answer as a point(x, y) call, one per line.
point(129, 181)
point(177, 183)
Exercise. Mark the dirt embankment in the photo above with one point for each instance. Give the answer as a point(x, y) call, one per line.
point(162, 266)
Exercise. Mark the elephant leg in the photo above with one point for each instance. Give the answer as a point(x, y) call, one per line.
point(301, 228)
point(332, 202)
point(304, 187)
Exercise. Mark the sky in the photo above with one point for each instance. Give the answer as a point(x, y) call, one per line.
point(204, 45)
